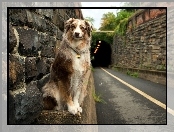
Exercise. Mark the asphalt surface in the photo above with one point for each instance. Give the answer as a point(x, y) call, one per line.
point(123, 105)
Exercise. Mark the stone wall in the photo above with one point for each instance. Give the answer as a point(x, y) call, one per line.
point(144, 45)
point(34, 35)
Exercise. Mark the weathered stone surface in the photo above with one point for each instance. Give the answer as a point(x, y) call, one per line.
point(55, 18)
point(42, 23)
point(51, 29)
point(30, 68)
point(61, 22)
point(47, 13)
point(43, 81)
point(11, 109)
point(16, 72)
point(59, 34)
point(17, 17)
point(28, 42)
point(36, 68)
point(12, 39)
point(48, 51)
point(35, 21)
point(43, 66)
point(148, 41)
point(47, 45)
point(28, 104)
point(58, 117)
point(89, 110)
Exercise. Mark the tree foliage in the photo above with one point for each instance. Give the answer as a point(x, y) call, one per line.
point(108, 21)
point(91, 20)
point(112, 22)
point(117, 22)
point(122, 20)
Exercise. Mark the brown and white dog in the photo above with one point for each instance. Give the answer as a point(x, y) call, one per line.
point(71, 69)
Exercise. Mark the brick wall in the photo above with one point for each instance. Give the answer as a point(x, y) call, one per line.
point(34, 35)
point(144, 45)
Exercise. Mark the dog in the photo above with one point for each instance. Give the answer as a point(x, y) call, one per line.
point(69, 73)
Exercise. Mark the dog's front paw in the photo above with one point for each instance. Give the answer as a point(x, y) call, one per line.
point(79, 109)
point(72, 110)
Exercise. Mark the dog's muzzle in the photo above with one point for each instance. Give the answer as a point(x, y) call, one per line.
point(77, 35)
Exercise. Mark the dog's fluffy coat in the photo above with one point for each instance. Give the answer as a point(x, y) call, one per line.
point(70, 69)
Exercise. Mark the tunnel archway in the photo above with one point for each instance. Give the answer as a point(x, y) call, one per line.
point(101, 54)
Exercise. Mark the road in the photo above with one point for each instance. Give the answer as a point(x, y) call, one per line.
point(128, 100)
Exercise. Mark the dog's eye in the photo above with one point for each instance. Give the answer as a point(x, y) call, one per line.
point(72, 26)
point(83, 28)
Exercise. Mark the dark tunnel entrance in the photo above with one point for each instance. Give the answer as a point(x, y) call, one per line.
point(101, 54)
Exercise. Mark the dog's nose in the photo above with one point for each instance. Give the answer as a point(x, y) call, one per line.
point(77, 34)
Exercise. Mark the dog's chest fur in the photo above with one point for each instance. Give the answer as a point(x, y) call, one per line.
point(80, 64)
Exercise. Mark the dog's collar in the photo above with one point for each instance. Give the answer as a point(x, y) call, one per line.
point(78, 52)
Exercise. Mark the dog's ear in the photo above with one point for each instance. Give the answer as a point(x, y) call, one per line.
point(89, 27)
point(67, 24)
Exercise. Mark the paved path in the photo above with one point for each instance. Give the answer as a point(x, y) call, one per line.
point(131, 101)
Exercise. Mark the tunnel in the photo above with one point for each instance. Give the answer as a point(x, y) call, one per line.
point(101, 54)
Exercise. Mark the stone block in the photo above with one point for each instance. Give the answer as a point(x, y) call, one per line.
point(62, 12)
point(47, 40)
point(47, 13)
point(61, 22)
point(17, 17)
point(154, 58)
point(57, 117)
point(155, 47)
point(48, 51)
point(43, 66)
point(28, 104)
point(59, 35)
point(51, 29)
point(30, 69)
point(28, 42)
point(48, 44)
point(139, 19)
point(147, 15)
point(156, 12)
point(36, 68)
point(43, 81)
point(66, 17)
point(55, 19)
point(12, 111)
point(16, 72)
point(35, 21)
point(12, 39)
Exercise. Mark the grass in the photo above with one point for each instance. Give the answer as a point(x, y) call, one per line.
point(133, 74)
point(92, 69)
point(98, 98)
point(116, 69)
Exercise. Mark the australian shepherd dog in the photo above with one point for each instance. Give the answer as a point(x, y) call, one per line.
point(70, 70)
